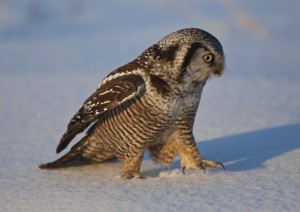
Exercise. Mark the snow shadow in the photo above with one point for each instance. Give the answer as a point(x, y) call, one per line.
point(251, 150)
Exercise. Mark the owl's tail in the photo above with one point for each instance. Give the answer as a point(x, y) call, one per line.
point(71, 158)
point(60, 162)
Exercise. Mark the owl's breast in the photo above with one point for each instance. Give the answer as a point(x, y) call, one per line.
point(136, 123)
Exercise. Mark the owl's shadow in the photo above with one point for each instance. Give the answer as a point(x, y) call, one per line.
point(250, 150)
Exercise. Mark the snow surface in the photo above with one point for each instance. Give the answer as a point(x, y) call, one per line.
point(249, 119)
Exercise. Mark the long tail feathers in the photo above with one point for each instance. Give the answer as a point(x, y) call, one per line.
point(59, 162)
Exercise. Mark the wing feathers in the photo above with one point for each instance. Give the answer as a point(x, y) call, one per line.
point(109, 95)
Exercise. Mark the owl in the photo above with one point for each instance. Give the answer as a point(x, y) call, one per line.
point(149, 104)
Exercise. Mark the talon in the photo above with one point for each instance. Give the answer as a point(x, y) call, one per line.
point(140, 177)
point(221, 164)
point(183, 169)
point(203, 167)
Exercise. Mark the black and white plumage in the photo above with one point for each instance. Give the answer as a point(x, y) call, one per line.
point(148, 104)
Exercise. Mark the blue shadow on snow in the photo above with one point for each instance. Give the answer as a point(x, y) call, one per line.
point(251, 150)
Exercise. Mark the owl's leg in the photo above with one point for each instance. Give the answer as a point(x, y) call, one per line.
point(191, 159)
point(131, 166)
point(163, 153)
point(185, 146)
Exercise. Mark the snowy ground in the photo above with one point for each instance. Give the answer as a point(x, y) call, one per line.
point(249, 119)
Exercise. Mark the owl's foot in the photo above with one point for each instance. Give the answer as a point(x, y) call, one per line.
point(211, 164)
point(204, 164)
point(131, 167)
point(128, 176)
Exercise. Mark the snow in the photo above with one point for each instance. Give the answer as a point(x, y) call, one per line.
point(249, 119)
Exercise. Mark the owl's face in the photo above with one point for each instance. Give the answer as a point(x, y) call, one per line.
point(188, 55)
point(203, 64)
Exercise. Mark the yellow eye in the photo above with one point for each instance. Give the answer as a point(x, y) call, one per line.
point(208, 58)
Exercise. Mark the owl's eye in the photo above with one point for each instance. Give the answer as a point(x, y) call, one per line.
point(208, 58)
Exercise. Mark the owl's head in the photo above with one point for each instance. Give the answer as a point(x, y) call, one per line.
point(185, 55)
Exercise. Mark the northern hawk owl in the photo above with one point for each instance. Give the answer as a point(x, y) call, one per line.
point(148, 104)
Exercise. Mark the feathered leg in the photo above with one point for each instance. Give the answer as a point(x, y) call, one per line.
point(190, 156)
point(185, 146)
point(131, 166)
point(163, 153)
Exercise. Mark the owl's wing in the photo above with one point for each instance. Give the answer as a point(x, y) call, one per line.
point(110, 94)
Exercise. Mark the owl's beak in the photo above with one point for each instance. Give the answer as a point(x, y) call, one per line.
point(219, 72)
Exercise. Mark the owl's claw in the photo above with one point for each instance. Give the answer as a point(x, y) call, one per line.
point(202, 167)
point(221, 164)
point(211, 164)
point(183, 170)
point(206, 164)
